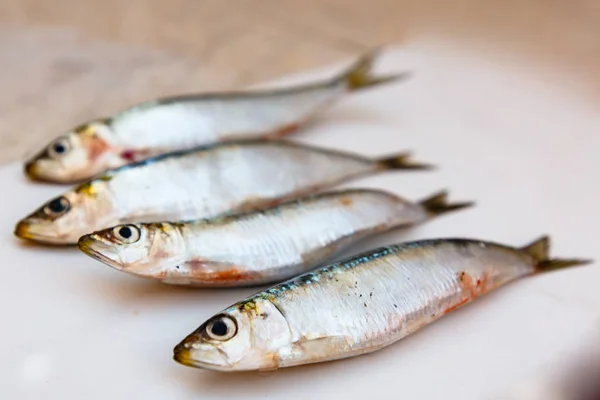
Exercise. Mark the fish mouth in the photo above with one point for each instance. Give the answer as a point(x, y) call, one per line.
point(94, 247)
point(33, 172)
point(23, 231)
point(86, 245)
point(30, 169)
point(183, 356)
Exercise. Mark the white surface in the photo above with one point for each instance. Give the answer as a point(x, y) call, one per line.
point(74, 328)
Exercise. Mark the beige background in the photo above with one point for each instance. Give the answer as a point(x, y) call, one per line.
point(62, 62)
point(501, 136)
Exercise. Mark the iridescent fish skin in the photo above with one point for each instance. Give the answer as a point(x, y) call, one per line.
point(172, 124)
point(258, 247)
point(199, 183)
point(359, 305)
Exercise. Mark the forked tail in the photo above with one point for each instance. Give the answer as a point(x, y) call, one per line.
point(401, 161)
point(360, 75)
point(438, 204)
point(540, 251)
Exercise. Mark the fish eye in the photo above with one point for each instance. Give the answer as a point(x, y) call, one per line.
point(127, 233)
point(221, 328)
point(59, 148)
point(57, 207)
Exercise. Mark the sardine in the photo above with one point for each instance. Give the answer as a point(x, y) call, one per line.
point(258, 247)
point(177, 123)
point(200, 183)
point(359, 305)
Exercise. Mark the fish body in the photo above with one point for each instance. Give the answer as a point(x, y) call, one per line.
point(182, 122)
point(359, 305)
point(199, 183)
point(262, 246)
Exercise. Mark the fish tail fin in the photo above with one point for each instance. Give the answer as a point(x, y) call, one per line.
point(540, 251)
point(360, 76)
point(401, 161)
point(437, 204)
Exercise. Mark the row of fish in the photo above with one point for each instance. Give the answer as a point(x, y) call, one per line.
point(201, 190)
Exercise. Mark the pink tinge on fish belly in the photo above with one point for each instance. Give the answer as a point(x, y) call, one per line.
point(226, 275)
point(471, 288)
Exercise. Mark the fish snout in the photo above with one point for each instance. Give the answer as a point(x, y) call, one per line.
point(94, 244)
point(182, 355)
point(30, 169)
point(85, 243)
point(22, 230)
point(200, 355)
point(100, 249)
point(39, 231)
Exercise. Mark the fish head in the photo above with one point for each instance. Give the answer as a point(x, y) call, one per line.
point(140, 249)
point(65, 218)
point(77, 155)
point(247, 336)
